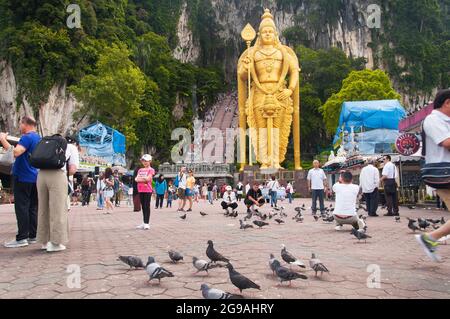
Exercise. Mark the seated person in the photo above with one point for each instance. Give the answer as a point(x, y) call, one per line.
point(229, 199)
point(254, 197)
point(345, 207)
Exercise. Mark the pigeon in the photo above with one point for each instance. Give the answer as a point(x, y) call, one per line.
point(316, 218)
point(317, 265)
point(213, 255)
point(212, 293)
point(272, 261)
point(329, 219)
point(423, 224)
point(299, 219)
point(203, 214)
point(203, 265)
point(272, 215)
point(155, 271)
point(411, 206)
point(360, 235)
point(397, 219)
point(433, 221)
point(183, 217)
point(299, 209)
point(263, 217)
point(132, 261)
point(233, 214)
point(412, 224)
point(279, 221)
point(285, 274)
point(240, 281)
point(289, 258)
point(175, 256)
point(363, 217)
point(442, 221)
point(249, 216)
point(361, 207)
point(244, 225)
point(260, 224)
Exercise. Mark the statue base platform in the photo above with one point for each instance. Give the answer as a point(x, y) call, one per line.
point(252, 174)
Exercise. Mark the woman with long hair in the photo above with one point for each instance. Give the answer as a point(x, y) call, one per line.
point(108, 191)
point(190, 184)
point(100, 187)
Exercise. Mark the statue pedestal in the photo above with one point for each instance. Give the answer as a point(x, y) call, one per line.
point(254, 173)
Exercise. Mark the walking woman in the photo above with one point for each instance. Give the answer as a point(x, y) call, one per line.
point(190, 184)
point(108, 191)
point(100, 187)
point(144, 179)
point(161, 189)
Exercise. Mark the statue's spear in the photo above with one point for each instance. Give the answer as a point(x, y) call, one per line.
point(248, 34)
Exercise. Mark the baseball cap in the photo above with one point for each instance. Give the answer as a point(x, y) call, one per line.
point(228, 188)
point(146, 157)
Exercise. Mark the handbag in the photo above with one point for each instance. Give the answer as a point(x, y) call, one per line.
point(7, 160)
point(436, 175)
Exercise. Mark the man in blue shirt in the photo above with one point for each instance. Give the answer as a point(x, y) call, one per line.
point(24, 176)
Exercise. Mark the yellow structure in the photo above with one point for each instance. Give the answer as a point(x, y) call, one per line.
point(269, 99)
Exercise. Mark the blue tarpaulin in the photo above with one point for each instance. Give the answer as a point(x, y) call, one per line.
point(367, 115)
point(104, 142)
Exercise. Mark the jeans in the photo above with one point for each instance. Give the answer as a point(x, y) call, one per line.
point(371, 202)
point(318, 194)
point(145, 202)
point(273, 198)
point(26, 207)
point(100, 200)
point(289, 196)
point(159, 200)
point(225, 205)
point(210, 197)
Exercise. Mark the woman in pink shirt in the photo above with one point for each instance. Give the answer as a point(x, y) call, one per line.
point(144, 180)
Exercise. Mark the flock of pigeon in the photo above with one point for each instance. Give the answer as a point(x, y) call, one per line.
point(282, 273)
point(217, 260)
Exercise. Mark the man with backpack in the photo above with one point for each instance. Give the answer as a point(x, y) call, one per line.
point(56, 160)
point(24, 177)
point(436, 144)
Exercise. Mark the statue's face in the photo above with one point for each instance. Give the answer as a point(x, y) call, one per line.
point(268, 35)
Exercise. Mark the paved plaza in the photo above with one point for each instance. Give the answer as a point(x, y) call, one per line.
point(96, 240)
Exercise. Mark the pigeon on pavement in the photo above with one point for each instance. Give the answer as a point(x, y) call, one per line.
point(279, 221)
point(412, 224)
point(213, 255)
point(183, 217)
point(285, 274)
point(175, 256)
point(360, 235)
point(290, 259)
point(155, 271)
point(132, 261)
point(240, 281)
point(212, 293)
point(397, 219)
point(423, 224)
point(260, 223)
point(203, 265)
point(272, 261)
point(244, 225)
point(317, 265)
point(203, 214)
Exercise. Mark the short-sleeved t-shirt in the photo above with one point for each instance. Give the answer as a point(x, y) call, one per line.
point(253, 194)
point(72, 156)
point(389, 170)
point(317, 177)
point(190, 182)
point(437, 130)
point(22, 168)
point(145, 187)
point(346, 195)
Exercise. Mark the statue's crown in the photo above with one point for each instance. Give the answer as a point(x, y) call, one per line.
point(267, 20)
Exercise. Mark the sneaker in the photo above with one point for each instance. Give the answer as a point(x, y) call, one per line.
point(16, 244)
point(146, 226)
point(429, 246)
point(51, 247)
point(141, 226)
point(32, 241)
point(339, 227)
point(189, 210)
point(44, 246)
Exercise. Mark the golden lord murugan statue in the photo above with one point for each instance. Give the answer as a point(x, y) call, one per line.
point(269, 101)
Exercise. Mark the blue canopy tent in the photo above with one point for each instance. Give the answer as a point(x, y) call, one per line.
point(104, 142)
point(376, 123)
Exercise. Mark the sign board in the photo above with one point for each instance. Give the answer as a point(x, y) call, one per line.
point(407, 144)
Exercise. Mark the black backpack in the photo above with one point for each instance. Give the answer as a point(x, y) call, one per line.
point(50, 153)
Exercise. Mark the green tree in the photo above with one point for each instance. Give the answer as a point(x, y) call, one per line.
point(113, 94)
point(366, 85)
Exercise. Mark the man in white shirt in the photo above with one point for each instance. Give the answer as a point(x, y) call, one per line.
point(390, 186)
point(437, 146)
point(229, 199)
point(247, 188)
point(369, 181)
point(316, 185)
point(345, 207)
